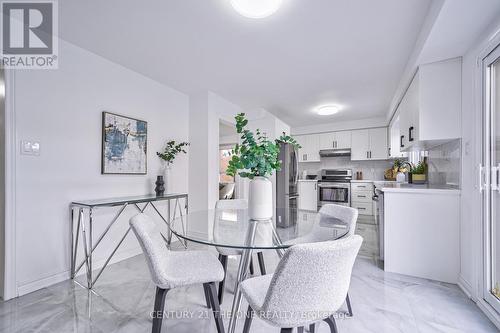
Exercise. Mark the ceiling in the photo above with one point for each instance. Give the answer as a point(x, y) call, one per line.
point(311, 52)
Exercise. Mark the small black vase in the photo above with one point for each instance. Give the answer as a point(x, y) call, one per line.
point(160, 186)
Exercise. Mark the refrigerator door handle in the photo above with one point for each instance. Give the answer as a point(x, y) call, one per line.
point(296, 160)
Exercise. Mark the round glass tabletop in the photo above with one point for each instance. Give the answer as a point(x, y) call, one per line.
point(230, 228)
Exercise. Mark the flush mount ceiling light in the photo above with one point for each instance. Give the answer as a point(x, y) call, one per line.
point(256, 8)
point(327, 110)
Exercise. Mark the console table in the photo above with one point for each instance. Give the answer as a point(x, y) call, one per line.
point(80, 207)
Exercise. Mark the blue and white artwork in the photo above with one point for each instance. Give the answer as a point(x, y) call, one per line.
point(124, 145)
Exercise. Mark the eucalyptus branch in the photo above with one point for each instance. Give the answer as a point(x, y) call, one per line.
point(171, 150)
point(256, 155)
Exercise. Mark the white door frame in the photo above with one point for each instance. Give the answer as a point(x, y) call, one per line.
point(485, 293)
point(10, 274)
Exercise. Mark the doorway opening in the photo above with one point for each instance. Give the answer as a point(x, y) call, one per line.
point(228, 138)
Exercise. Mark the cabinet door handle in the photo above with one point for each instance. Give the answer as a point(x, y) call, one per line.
point(410, 134)
point(361, 196)
point(362, 208)
point(366, 154)
point(401, 141)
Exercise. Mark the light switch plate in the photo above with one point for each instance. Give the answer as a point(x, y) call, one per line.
point(29, 147)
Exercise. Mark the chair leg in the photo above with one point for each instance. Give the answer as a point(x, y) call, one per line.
point(331, 322)
point(248, 320)
point(158, 309)
point(312, 328)
point(251, 266)
point(212, 291)
point(207, 297)
point(349, 308)
point(286, 330)
point(222, 284)
point(261, 263)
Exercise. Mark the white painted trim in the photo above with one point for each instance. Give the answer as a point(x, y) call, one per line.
point(63, 276)
point(10, 279)
point(489, 312)
point(465, 287)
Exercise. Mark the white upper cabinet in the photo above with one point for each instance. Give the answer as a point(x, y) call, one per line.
point(310, 147)
point(335, 140)
point(327, 140)
point(430, 109)
point(360, 144)
point(395, 139)
point(378, 144)
point(343, 140)
point(369, 144)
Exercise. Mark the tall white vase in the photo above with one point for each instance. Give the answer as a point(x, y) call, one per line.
point(260, 199)
point(167, 167)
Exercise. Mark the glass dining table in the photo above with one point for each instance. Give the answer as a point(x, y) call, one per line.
point(232, 228)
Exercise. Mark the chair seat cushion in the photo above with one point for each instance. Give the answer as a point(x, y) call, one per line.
point(190, 267)
point(255, 290)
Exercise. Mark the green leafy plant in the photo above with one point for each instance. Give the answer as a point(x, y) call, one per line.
point(419, 169)
point(171, 150)
point(256, 155)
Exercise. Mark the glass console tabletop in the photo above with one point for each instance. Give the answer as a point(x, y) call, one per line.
point(229, 228)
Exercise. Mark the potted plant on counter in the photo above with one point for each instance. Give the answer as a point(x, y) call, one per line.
point(256, 158)
point(418, 173)
point(168, 156)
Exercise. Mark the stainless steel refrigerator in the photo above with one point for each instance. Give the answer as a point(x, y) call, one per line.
point(287, 194)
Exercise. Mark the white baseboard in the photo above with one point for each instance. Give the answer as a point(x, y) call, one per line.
point(65, 275)
point(466, 288)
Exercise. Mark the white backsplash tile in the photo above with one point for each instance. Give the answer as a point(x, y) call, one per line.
point(372, 170)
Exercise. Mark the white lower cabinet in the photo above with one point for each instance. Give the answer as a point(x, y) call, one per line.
point(308, 195)
point(421, 234)
point(361, 197)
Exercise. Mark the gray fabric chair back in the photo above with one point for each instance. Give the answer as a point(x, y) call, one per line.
point(153, 246)
point(345, 215)
point(311, 280)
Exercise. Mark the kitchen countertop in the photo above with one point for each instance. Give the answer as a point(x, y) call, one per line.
point(308, 180)
point(371, 181)
point(418, 188)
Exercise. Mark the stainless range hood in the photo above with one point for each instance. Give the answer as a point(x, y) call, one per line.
point(334, 152)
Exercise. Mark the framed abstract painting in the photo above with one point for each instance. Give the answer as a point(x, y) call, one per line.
point(124, 145)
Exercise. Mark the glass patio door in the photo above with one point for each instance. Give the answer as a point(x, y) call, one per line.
point(491, 156)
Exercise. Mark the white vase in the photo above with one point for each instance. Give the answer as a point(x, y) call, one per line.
point(260, 199)
point(167, 167)
point(400, 177)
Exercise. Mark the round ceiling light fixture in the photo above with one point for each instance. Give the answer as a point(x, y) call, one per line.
point(327, 110)
point(256, 8)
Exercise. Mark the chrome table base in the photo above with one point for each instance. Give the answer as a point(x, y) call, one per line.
point(85, 236)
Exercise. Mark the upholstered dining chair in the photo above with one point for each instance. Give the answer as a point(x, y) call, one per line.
point(308, 286)
point(225, 252)
point(172, 269)
point(347, 216)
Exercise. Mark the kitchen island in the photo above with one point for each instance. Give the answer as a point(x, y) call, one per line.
point(421, 230)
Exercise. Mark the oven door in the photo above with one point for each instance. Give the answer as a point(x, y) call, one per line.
point(334, 193)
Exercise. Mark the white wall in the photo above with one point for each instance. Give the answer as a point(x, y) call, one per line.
point(206, 109)
point(62, 109)
point(470, 226)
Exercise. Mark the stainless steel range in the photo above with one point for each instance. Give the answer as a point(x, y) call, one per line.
point(334, 187)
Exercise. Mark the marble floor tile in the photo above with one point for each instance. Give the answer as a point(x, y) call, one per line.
point(124, 296)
